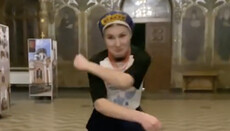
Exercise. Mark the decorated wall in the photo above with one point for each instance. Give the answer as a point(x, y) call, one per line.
point(201, 44)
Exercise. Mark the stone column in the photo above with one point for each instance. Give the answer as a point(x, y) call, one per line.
point(46, 18)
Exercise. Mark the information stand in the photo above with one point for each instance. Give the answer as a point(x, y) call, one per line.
point(4, 69)
point(42, 67)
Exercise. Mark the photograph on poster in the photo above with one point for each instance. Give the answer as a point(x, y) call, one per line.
point(4, 43)
point(40, 66)
point(4, 98)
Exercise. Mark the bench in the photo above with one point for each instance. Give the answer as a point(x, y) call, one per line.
point(198, 78)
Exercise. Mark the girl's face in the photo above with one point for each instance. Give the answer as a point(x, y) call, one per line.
point(117, 38)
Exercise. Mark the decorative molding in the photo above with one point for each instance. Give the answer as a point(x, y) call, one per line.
point(110, 4)
point(84, 5)
point(179, 7)
point(158, 35)
point(224, 1)
point(201, 1)
point(210, 5)
point(72, 2)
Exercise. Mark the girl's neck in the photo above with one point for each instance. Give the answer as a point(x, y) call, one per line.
point(120, 65)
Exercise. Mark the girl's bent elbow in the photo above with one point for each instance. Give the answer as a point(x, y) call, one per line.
point(98, 104)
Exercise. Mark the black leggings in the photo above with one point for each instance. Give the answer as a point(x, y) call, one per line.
point(99, 122)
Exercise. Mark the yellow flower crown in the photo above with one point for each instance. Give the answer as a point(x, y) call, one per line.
point(112, 18)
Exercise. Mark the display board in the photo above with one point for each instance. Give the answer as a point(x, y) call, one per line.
point(4, 69)
point(42, 59)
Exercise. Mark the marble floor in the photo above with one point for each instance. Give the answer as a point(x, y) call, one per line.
point(71, 109)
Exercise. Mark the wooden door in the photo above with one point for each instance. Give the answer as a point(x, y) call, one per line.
point(158, 45)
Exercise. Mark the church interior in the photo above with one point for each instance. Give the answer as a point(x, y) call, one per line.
point(186, 86)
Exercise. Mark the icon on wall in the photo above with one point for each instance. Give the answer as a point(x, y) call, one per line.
point(222, 30)
point(193, 33)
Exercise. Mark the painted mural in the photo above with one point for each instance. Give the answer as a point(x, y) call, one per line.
point(193, 28)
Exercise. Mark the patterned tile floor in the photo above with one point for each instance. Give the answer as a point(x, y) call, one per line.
point(72, 108)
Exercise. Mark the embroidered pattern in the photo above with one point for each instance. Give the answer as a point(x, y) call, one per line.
point(112, 18)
